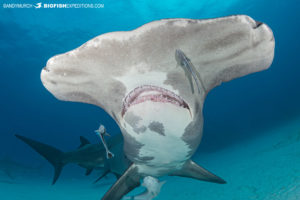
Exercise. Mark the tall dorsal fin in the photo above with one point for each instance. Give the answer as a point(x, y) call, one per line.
point(83, 141)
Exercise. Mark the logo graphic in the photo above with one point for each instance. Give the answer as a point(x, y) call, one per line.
point(38, 5)
point(52, 5)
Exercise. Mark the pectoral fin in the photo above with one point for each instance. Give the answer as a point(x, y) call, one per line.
point(127, 182)
point(192, 170)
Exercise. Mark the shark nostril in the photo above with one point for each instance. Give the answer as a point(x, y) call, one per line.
point(258, 24)
point(46, 69)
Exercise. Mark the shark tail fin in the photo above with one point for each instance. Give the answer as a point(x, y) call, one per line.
point(193, 170)
point(53, 155)
point(127, 182)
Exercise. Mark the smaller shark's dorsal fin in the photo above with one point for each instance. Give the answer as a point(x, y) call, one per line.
point(83, 141)
point(193, 170)
point(127, 182)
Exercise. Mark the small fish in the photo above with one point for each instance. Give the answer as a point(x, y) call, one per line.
point(101, 132)
point(189, 69)
point(152, 186)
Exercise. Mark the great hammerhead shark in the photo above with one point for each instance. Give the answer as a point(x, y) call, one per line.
point(144, 80)
point(89, 156)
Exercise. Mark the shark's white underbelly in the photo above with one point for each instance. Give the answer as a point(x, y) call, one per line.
point(168, 154)
point(162, 149)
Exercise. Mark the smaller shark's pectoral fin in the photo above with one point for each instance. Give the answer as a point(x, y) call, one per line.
point(127, 182)
point(193, 170)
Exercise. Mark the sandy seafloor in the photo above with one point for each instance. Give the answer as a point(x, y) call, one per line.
point(267, 167)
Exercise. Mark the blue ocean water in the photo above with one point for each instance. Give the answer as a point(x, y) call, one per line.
point(252, 141)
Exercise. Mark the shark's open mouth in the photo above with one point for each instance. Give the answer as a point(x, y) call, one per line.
point(152, 93)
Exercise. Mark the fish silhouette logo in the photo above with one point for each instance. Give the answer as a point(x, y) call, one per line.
point(38, 5)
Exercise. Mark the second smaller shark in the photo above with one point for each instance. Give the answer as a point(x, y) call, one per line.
point(89, 156)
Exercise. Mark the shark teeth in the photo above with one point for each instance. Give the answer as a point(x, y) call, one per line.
point(152, 93)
